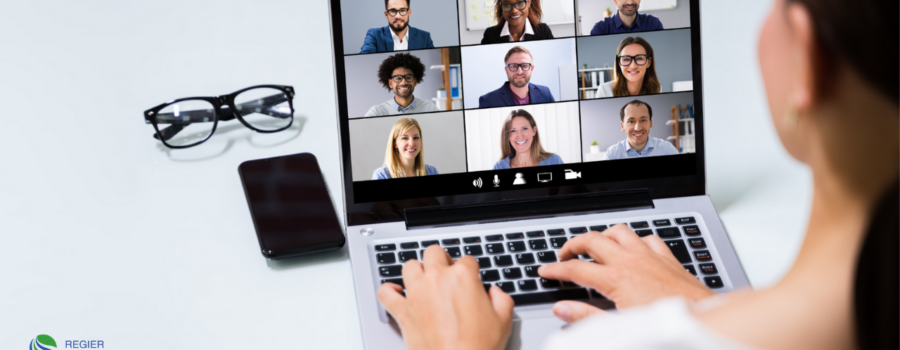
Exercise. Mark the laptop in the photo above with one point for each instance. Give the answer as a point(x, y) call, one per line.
point(506, 150)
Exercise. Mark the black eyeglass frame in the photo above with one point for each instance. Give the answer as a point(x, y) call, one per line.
point(224, 110)
point(398, 12)
point(515, 4)
point(519, 66)
point(634, 59)
point(408, 77)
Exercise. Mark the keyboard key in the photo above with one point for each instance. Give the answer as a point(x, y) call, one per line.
point(599, 228)
point(490, 275)
point(484, 263)
point(640, 224)
point(597, 296)
point(450, 241)
point(493, 238)
point(679, 250)
point(468, 240)
point(385, 258)
point(708, 269)
point(495, 248)
point(516, 246)
point(547, 257)
point(567, 284)
point(390, 271)
point(508, 287)
point(408, 255)
point(549, 297)
point(556, 232)
point(409, 245)
point(526, 258)
point(585, 256)
point(531, 271)
point(425, 244)
point(702, 255)
point(692, 230)
point(663, 222)
point(644, 233)
point(487, 287)
point(690, 268)
point(713, 282)
point(687, 220)
point(669, 232)
point(454, 252)
point(527, 285)
point(382, 247)
point(512, 273)
point(517, 235)
point(578, 230)
point(538, 244)
point(535, 233)
point(503, 260)
point(397, 281)
point(545, 283)
point(558, 242)
point(474, 250)
point(697, 243)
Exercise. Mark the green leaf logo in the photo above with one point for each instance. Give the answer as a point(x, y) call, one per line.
point(42, 342)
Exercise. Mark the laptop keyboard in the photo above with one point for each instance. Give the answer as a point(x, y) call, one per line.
point(511, 260)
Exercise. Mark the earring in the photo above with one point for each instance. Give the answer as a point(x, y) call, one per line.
point(790, 117)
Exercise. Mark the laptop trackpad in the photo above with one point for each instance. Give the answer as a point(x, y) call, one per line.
point(530, 330)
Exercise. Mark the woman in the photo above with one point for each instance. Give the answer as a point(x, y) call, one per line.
point(404, 156)
point(521, 145)
point(841, 292)
point(635, 72)
point(517, 20)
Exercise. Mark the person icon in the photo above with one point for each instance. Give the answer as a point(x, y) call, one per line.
point(496, 180)
point(520, 179)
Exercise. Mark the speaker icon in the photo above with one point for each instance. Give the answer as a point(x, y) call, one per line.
point(477, 182)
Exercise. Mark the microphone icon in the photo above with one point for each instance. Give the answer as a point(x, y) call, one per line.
point(496, 181)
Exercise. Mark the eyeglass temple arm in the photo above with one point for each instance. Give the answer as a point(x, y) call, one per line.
point(266, 106)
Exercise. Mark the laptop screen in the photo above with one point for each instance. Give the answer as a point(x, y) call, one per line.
point(449, 102)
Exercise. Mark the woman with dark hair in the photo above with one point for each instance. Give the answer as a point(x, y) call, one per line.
point(841, 292)
point(520, 144)
point(517, 20)
point(635, 72)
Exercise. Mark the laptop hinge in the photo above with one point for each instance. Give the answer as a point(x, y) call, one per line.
point(519, 209)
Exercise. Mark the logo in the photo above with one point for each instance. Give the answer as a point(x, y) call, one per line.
point(477, 182)
point(572, 175)
point(42, 342)
point(545, 177)
point(520, 180)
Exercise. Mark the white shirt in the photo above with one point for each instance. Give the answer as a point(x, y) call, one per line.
point(528, 30)
point(605, 89)
point(666, 324)
point(398, 45)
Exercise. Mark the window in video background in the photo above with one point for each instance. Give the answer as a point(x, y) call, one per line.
point(671, 14)
point(428, 17)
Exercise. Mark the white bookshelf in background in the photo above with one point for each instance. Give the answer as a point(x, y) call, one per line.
point(685, 143)
point(597, 77)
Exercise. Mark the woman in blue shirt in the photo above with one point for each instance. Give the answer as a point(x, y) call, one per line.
point(404, 156)
point(520, 143)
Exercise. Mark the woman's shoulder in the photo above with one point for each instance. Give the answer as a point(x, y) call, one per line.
point(542, 30)
point(430, 170)
point(553, 159)
point(606, 89)
point(491, 34)
point(502, 164)
point(381, 173)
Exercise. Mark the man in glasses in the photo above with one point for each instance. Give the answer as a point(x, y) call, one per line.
point(400, 73)
point(627, 20)
point(398, 35)
point(518, 90)
point(637, 119)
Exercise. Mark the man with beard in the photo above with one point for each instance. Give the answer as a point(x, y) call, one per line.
point(400, 73)
point(637, 119)
point(398, 35)
point(627, 20)
point(518, 90)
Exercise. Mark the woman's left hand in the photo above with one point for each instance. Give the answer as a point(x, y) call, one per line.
point(446, 307)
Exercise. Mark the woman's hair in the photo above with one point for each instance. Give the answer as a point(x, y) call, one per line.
point(399, 60)
point(651, 82)
point(537, 152)
point(392, 156)
point(534, 13)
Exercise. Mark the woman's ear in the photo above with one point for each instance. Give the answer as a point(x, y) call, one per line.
point(806, 58)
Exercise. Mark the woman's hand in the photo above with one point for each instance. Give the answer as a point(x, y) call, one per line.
point(627, 269)
point(445, 305)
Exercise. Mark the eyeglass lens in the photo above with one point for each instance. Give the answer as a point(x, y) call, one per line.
point(402, 12)
point(638, 59)
point(398, 78)
point(266, 109)
point(515, 66)
point(520, 5)
point(190, 121)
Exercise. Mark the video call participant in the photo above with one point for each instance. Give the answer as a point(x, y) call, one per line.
point(635, 73)
point(520, 143)
point(398, 35)
point(400, 73)
point(637, 119)
point(627, 20)
point(517, 20)
point(518, 90)
point(404, 157)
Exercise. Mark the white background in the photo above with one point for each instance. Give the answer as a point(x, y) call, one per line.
point(105, 235)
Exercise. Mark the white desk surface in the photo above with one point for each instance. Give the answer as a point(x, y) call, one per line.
point(106, 235)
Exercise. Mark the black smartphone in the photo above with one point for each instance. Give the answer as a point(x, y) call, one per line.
point(290, 206)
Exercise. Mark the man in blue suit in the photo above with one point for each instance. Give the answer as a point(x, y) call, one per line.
point(518, 90)
point(398, 35)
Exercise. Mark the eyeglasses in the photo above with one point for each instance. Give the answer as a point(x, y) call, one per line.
point(638, 59)
point(394, 12)
point(520, 5)
point(514, 67)
point(398, 78)
point(262, 108)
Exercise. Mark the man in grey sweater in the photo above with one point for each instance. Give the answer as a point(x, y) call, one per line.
point(400, 73)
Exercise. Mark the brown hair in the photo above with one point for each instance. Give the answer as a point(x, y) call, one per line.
point(537, 152)
point(534, 13)
point(651, 82)
point(636, 103)
point(392, 156)
point(515, 50)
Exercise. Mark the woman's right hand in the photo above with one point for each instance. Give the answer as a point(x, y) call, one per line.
point(627, 269)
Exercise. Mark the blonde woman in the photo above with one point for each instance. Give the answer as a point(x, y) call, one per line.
point(635, 71)
point(404, 157)
point(521, 144)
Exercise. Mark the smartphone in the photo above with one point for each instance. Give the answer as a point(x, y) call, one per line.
point(290, 206)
